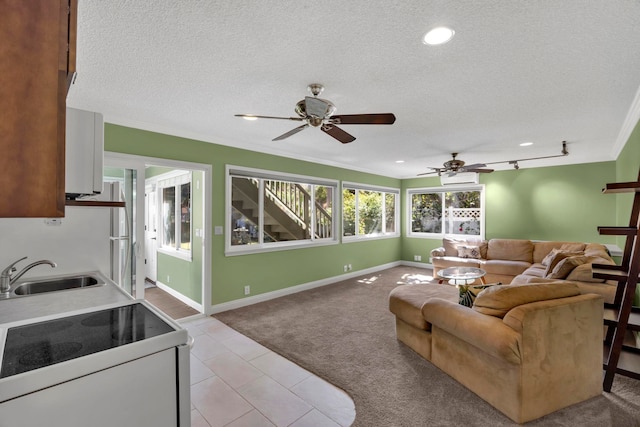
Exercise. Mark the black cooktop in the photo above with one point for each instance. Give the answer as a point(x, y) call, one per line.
point(46, 343)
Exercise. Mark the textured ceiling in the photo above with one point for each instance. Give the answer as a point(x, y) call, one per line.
point(540, 71)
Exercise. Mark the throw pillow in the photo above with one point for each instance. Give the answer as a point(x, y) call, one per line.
point(465, 251)
point(564, 267)
point(559, 256)
point(546, 260)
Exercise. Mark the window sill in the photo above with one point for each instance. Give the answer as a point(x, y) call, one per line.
point(186, 256)
point(351, 239)
point(275, 247)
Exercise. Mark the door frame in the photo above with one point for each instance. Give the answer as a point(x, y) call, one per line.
point(139, 163)
point(151, 256)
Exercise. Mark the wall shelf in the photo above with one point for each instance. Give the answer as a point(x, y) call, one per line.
point(94, 203)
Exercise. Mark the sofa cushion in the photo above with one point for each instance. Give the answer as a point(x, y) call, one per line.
point(600, 251)
point(504, 267)
point(536, 270)
point(498, 300)
point(510, 249)
point(469, 251)
point(406, 301)
point(450, 261)
point(564, 267)
point(451, 245)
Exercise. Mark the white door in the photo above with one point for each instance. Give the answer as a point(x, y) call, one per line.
point(150, 232)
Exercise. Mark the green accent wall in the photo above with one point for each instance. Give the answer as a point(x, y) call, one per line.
point(550, 203)
point(264, 272)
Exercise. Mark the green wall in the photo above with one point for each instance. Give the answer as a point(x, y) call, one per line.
point(264, 272)
point(627, 167)
point(186, 276)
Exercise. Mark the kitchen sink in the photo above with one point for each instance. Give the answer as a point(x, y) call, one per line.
point(57, 284)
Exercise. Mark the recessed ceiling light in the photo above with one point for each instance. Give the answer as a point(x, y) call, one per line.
point(526, 144)
point(439, 35)
point(399, 161)
point(250, 118)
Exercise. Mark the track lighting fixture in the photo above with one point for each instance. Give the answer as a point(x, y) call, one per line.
point(516, 166)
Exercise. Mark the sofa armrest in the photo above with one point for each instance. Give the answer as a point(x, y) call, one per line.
point(437, 252)
point(487, 333)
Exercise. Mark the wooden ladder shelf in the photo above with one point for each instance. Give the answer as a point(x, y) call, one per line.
point(621, 316)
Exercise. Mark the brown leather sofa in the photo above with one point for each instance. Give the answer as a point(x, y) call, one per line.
point(518, 261)
point(528, 350)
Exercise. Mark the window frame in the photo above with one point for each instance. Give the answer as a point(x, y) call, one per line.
point(232, 171)
point(444, 189)
point(375, 188)
point(175, 179)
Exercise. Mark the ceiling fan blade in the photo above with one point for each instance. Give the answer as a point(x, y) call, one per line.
point(427, 173)
point(475, 166)
point(250, 116)
point(317, 107)
point(291, 132)
point(364, 119)
point(478, 170)
point(338, 133)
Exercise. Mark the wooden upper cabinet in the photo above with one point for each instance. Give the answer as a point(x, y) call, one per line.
point(37, 62)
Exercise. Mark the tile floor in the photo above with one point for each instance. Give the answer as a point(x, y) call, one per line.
point(237, 382)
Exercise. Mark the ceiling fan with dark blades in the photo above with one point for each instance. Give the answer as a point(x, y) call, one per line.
point(454, 166)
point(317, 112)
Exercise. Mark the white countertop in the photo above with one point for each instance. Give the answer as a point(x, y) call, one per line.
point(50, 303)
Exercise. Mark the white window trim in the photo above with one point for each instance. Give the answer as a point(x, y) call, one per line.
point(448, 188)
point(367, 187)
point(172, 179)
point(241, 171)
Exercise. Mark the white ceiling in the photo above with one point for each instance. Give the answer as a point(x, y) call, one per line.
point(540, 70)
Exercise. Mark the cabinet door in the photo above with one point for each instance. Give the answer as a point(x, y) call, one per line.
point(37, 58)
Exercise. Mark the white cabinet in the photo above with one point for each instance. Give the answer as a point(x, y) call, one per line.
point(84, 152)
point(140, 393)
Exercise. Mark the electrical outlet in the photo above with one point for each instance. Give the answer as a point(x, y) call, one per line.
point(349, 267)
point(345, 268)
point(168, 279)
point(417, 257)
point(247, 290)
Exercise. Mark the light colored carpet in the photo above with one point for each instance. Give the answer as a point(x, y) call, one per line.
point(345, 334)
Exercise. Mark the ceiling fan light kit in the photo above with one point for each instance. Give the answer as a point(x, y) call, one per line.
point(318, 113)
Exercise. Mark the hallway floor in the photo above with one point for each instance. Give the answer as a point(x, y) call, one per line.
point(169, 305)
point(237, 382)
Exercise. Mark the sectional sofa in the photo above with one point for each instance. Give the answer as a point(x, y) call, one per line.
point(528, 350)
point(517, 261)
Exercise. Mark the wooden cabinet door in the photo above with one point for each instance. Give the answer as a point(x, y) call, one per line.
point(36, 57)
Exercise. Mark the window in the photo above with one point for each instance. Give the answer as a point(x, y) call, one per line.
point(369, 211)
point(270, 211)
point(175, 213)
point(435, 212)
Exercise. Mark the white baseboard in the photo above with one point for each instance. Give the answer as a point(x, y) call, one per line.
point(191, 303)
point(232, 305)
point(417, 264)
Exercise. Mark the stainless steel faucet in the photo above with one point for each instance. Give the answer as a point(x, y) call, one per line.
point(6, 278)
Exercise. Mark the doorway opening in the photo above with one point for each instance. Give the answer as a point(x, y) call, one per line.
point(167, 257)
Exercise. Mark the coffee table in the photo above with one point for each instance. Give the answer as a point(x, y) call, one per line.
point(462, 275)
